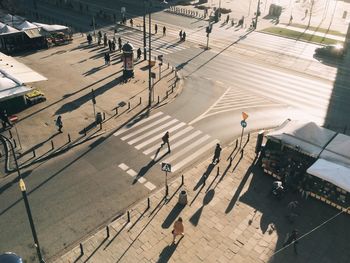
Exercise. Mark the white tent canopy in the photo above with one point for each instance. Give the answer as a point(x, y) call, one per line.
point(334, 173)
point(26, 25)
point(308, 137)
point(8, 30)
point(50, 28)
point(18, 71)
point(338, 150)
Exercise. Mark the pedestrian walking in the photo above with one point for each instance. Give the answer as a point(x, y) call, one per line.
point(180, 35)
point(165, 140)
point(106, 58)
point(89, 39)
point(113, 46)
point(104, 39)
point(99, 37)
point(131, 22)
point(178, 229)
point(120, 44)
point(290, 19)
point(110, 45)
point(227, 19)
point(155, 28)
point(164, 30)
point(59, 123)
point(184, 36)
point(139, 53)
point(217, 152)
point(292, 238)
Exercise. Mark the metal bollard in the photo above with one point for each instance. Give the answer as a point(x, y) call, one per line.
point(218, 170)
point(168, 65)
point(242, 152)
point(140, 100)
point(10, 134)
point(128, 214)
point(172, 89)
point(148, 203)
point(14, 142)
point(129, 105)
point(182, 179)
point(69, 139)
point(84, 132)
point(236, 143)
point(52, 146)
point(158, 100)
point(100, 125)
point(248, 137)
point(166, 95)
point(107, 230)
point(34, 155)
point(104, 116)
point(116, 111)
point(81, 249)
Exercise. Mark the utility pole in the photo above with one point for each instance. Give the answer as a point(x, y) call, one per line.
point(144, 31)
point(149, 58)
point(257, 14)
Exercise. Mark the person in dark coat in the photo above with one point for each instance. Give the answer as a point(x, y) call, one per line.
point(120, 44)
point(164, 30)
point(155, 28)
point(217, 153)
point(59, 123)
point(165, 140)
point(180, 35)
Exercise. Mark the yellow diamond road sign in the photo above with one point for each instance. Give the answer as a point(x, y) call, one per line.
point(244, 115)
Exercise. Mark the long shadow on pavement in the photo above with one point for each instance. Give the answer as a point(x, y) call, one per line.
point(174, 213)
point(206, 200)
point(167, 252)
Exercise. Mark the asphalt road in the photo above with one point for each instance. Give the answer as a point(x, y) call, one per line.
point(73, 194)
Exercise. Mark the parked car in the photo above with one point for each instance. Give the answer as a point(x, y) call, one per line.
point(331, 51)
point(10, 257)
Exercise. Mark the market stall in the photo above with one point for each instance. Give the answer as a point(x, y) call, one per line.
point(329, 182)
point(292, 148)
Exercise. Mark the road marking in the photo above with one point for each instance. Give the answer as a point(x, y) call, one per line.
point(141, 180)
point(126, 128)
point(154, 138)
point(139, 138)
point(145, 128)
point(204, 113)
point(186, 149)
point(150, 186)
point(179, 143)
point(131, 172)
point(194, 155)
point(123, 166)
point(173, 137)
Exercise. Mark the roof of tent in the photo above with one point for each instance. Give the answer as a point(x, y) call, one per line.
point(309, 137)
point(334, 173)
point(26, 25)
point(8, 30)
point(338, 150)
point(9, 88)
point(18, 71)
point(50, 28)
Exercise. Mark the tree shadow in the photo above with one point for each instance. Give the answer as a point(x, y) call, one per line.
point(206, 200)
point(75, 104)
point(174, 213)
point(240, 187)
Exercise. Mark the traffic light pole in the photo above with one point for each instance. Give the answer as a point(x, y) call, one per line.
point(149, 58)
point(26, 203)
point(144, 31)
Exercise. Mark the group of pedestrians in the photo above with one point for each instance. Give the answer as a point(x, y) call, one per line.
point(182, 35)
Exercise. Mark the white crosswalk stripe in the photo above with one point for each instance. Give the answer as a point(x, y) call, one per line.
point(186, 143)
point(160, 45)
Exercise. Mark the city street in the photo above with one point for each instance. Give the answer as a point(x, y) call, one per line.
point(269, 77)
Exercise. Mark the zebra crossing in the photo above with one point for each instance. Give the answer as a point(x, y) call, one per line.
point(161, 45)
point(186, 143)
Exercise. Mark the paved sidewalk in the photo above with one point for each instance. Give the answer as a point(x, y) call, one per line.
point(230, 217)
point(73, 71)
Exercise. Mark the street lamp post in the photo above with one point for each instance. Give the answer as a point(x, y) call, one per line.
point(149, 58)
point(26, 202)
point(144, 31)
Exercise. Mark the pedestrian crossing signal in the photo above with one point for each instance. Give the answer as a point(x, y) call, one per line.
point(166, 167)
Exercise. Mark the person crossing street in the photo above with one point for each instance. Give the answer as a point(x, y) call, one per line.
point(165, 140)
point(217, 152)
